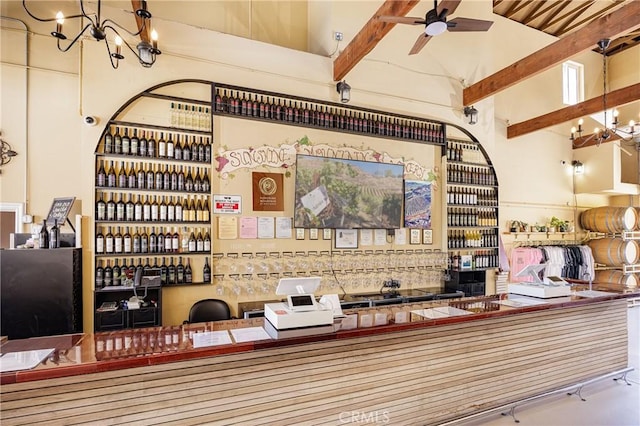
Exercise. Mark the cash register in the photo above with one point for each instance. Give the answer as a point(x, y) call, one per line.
point(546, 288)
point(300, 308)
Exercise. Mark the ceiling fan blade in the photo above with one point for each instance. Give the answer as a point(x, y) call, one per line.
point(411, 20)
point(422, 40)
point(468, 24)
point(450, 5)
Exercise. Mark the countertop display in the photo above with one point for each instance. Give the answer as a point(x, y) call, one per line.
point(104, 351)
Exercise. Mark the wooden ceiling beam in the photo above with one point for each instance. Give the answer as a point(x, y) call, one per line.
point(614, 99)
point(369, 36)
point(146, 34)
point(618, 22)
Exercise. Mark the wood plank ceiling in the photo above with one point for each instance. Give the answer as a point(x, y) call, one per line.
point(577, 24)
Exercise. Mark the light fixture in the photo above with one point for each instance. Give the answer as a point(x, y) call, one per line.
point(471, 113)
point(6, 153)
point(345, 91)
point(601, 135)
point(578, 167)
point(98, 28)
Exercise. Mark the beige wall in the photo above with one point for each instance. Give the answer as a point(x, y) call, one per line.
point(42, 107)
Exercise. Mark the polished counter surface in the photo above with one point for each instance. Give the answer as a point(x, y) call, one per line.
point(100, 352)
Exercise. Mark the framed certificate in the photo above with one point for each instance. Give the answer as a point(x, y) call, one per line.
point(346, 238)
point(414, 236)
point(427, 236)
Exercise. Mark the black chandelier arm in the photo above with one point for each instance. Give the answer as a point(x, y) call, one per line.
point(128, 46)
point(109, 21)
point(24, 4)
point(66, 49)
point(115, 63)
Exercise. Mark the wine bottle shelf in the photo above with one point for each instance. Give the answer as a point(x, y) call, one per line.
point(148, 254)
point(159, 128)
point(152, 223)
point(472, 206)
point(154, 191)
point(472, 227)
point(113, 288)
point(471, 248)
point(470, 164)
point(154, 160)
point(471, 185)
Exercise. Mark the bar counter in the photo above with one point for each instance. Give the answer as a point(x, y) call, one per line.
point(425, 371)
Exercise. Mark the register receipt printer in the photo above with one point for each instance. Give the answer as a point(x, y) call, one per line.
point(301, 308)
point(546, 288)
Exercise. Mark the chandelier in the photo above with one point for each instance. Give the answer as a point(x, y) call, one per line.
point(631, 132)
point(98, 28)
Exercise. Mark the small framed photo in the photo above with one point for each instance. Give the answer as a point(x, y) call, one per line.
point(299, 233)
point(427, 236)
point(313, 233)
point(414, 236)
point(346, 238)
point(326, 234)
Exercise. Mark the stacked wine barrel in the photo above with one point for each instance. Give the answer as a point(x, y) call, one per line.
point(613, 251)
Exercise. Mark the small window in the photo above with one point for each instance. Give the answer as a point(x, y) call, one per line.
point(572, 83)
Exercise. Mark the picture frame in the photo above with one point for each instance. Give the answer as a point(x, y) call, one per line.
point(326, 234)
point(313, 233)
point(346, 239)
point(427, 236)
point(415, 236)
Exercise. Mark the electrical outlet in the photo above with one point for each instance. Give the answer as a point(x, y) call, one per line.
point(338, 36)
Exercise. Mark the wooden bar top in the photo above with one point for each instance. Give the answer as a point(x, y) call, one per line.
point(79, 354)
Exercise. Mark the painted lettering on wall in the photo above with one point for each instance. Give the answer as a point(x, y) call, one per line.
point(284, 156)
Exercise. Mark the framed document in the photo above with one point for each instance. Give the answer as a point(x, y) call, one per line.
point(313, 233)
point(326, 234)
point(427, 236)
point(346, 238)
point(414, 236)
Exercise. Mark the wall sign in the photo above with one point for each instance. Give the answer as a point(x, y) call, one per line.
point(227, 204)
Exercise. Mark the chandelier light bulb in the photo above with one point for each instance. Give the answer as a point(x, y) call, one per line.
point(154, 38)
point(118, 41)
point(60, 18)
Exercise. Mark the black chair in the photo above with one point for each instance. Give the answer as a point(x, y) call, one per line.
point(209, 310)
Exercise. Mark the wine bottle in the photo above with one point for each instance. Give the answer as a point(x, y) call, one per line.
point(99, 239)
point(101, 176)
point(120, 209)
point(141, 177)
point(126, 241)
point(44, 235)
point(117, 142)
point(54, 235)
point(163, 210)
point(188, 182)
point(108, 142)
point(207, 242)
point(178, 210)
point(117, 241)
point(205, 182)
point(180, 175)
point(154, 210)
point(206, 271)
point(135, 241)
point(132, 178)
point(180, 271)
point(171, 273)
point(139, 268)
point(159, 178)
point(199, 211)
point(160, 241)
point(199, 242)
point(188, 274)
point(185, 210)
point(206, 213)
point(168, 241)
point(122, 176)
point(170, 146)
point(171, 210)
point(153, 241)
point(129, 209)
point(99, 279)
point(111, 176)
point(126, 143)
point(101, 209)
point(184, 242)
point(116, 274)
point(163, 272)
point(166, 178)
point(162, 146)
point(135, 143)
point(144, 241)
point(143, 145)
point(137, 209)
point(146, 265)
point(108, 242)
point(151, 146)
point(201, 156)
point(175, 241)
point(108, 275)
point(207, 152)
point(192, 242)
point(197, 182)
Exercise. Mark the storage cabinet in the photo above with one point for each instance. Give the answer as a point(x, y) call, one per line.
point(471, 283)
point(120, 318)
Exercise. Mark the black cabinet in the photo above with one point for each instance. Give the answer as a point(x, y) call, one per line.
point(149, 314)
point(41, 292)
point(470, 282)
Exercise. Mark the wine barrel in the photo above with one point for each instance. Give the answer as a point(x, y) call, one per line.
point(609, 219)
point(614, 251)
point(616, 279)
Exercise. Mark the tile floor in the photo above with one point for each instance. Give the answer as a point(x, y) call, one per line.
point(608, 403)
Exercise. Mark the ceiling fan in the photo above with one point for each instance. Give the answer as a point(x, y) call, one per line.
point(435, 23)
